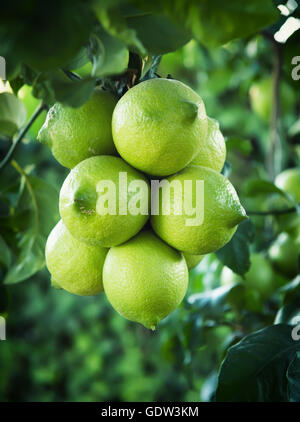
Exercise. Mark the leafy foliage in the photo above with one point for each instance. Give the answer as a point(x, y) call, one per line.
point(222, 338)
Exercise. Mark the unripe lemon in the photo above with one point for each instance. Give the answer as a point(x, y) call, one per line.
point(145, 279)
point(284, 253)
point(289, 181)
point(159, 125)
point(74, 134)
point(74, 266)
point(212, 152)
point(219, 207)
point(84, 202)
point(261, 97)
point(192, 260)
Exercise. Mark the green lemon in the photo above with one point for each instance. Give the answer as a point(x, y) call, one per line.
point(284, 253)
point(97, 208)
point(31, 103)
point(159, 125)
point(196, 223)
point(74, 134)
point(289, 181)
point(192, 260)
point(261, 98)
point(74, 266)
point(144, 279)
point(213, 151)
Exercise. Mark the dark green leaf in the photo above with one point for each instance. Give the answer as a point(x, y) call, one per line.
point(241, 145)
point(158, 33)
point(215, 22)
point(115, 24)
point(255, 368)
point(38, 202)
point(12, 114)
point(108, 54)
point(236, 254)
point(57, 87)
point(5, 253)
point(213, 303)
point(293, 376)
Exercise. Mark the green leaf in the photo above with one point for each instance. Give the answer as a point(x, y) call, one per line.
point(213, 303)
point(257, 187)
point(216, 22)
point(5, 253)
point(38, 206)
point(236, 253)
point(115, 24)
point(254, 369)
point(293, 376)
point(57, 87)
point(158, 33)
point(79, 60)
point(108, 54)
point(241, 145)
point(12, 114)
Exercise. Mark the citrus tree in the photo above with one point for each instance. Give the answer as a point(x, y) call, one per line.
point(180, 91)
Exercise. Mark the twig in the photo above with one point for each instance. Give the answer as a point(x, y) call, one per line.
point(274, 156)
point(21, 135)
point(273, 212)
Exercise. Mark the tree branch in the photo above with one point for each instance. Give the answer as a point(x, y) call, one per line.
point(274, 155)
point(273, 212)
point(21, 135)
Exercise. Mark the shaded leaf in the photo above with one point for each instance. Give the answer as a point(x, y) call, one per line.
point(158, 33)
point(293, 376)
point(38, 202)
point(241, 145)
point(109, 55)
point(254, 369)
point(5, 254)
point(236, 253)
point(215, 22)
point(213, 303)
point(12, 114)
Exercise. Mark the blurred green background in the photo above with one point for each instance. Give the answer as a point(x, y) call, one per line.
point(61, 347)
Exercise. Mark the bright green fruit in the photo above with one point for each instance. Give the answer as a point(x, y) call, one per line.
point(74, 134)
point(289, 181)
point(213, 151)
point(159, 125)
point(144, 279)
point(261, 97)
point(84, 203)
point(74, 266)
point(192, 260)
point(260, 276)
point(284, 254)
point(220, 208)
point(31, 103)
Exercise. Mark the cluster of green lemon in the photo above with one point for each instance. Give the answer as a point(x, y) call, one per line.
point(157, 131)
